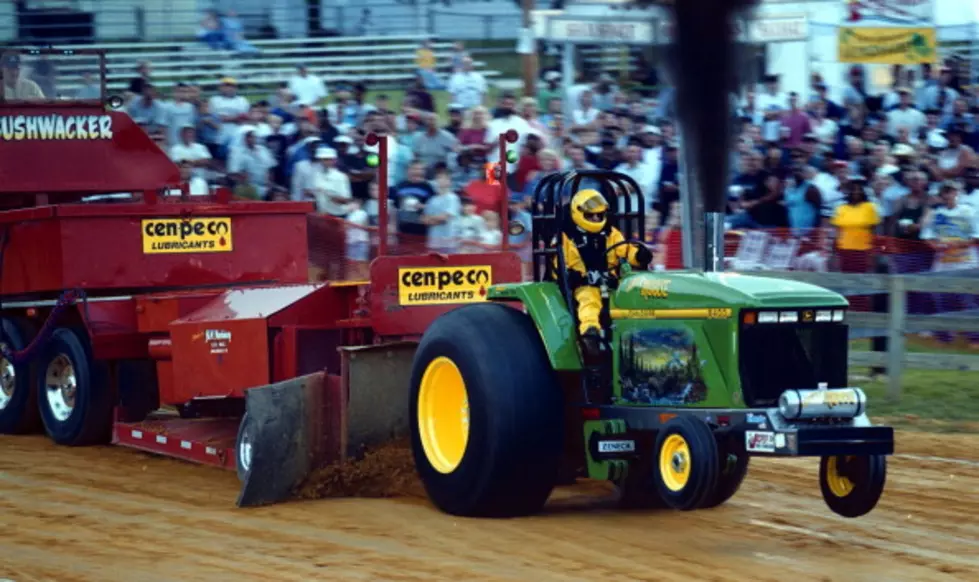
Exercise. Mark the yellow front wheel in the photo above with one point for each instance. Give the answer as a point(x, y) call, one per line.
point(443, 415)
point(852, 484)
point(687, 463)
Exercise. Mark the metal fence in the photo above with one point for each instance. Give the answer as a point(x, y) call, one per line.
point(897, 322)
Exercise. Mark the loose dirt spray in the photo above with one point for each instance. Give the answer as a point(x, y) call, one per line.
point(385, 471)
point(704, 61)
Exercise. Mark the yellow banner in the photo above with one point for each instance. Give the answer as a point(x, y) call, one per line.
point(889, 46)
point(438, 285)
point(195, 235)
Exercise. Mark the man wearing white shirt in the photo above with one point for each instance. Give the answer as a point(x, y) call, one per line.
point(467, 87)
point(230, 108)
point(584, 114)
point(251, 164)
point(772, 105)
point(331, 187)
point(187, 150)
point(309, 89)
point(506, 120)
point(635, 168)
point(905, 115)
point(301, 183)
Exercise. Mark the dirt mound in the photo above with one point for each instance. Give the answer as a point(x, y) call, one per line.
point(385, 471)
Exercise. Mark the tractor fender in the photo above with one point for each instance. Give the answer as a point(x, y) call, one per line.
point(545, 305)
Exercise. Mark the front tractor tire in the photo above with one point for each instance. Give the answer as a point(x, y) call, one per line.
point(486, 413)
point(687, 465)
point(73, 394)
point(852, 485)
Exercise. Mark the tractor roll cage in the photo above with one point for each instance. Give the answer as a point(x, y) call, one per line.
point(549, 213)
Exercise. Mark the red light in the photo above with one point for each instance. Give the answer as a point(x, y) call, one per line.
point(723, 420)
point(591, 414)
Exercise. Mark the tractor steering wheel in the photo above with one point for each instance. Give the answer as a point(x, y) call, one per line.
point(633, 242)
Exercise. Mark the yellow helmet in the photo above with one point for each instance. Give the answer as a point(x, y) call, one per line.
point(589, 210)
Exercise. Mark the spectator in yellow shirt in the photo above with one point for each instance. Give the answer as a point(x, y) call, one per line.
point(15, 87)
point(855, 221)
point(425, 59)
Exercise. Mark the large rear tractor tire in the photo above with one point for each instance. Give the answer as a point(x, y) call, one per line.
point(73, 394)
point(852, 485)
point(18, 404)
point(686, 464)
point(486, 413)
point(732, 469)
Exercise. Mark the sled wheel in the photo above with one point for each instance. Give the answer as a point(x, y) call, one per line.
point(687, 464)
point(486, 413)
point(852, 485)
point(732, 469)
point(18, 405)
point(73, 397)
point(243, 448)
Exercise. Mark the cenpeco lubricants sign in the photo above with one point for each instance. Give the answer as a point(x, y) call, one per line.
point(896, 32)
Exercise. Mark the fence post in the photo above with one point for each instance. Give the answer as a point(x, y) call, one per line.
point(895, 336)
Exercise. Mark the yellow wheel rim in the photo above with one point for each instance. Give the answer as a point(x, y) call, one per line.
point(443, 415)
point(674, 462)
point(839, 485)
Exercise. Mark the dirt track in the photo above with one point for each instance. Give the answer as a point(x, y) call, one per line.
point(114, 515)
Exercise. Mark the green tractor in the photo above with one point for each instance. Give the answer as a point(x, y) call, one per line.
point(702, 371)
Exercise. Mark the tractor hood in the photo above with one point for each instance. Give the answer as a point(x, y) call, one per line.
point(690, 289)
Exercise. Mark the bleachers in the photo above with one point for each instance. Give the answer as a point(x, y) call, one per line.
point(378, 61)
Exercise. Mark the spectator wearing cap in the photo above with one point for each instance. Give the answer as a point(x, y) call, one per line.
point(456, 118)
point(548, 90)
point(187, 150)
point(180, 113)
point(309, 89)
point(330, 187)
point(250, 164)
point(772, 105)
point(905, 115)
point(15, 86)
point(467, 86)
point(230, 108)
point(796, 121)
point(889, 190)
point(409, 197)
point(301, 178)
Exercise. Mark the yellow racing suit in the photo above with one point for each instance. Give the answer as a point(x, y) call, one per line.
point(590, 264)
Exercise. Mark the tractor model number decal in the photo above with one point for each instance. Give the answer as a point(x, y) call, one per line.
point(756, 441)
point(183, 235)
point(439, 285)
point(655, 289)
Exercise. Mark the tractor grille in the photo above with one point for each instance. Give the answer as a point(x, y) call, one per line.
point(774, 358)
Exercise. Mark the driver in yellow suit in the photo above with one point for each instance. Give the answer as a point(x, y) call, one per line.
point(587, 239)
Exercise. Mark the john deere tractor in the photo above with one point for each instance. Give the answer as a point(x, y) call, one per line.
point(698, 372)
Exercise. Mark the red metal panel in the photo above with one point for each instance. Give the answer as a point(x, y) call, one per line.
point(219, 358)
point(164, 379)
point(100, 246)
point(207, 441)
point(117, 156)
point(391, 318)
point(113, 329)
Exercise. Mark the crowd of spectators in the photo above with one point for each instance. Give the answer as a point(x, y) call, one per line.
point(900, 163)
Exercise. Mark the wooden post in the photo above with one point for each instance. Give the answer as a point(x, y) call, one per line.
point(895, 335)
point(529, 59)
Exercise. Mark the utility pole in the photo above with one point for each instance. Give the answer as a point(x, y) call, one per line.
point(529, 56)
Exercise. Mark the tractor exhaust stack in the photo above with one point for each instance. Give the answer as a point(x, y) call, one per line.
point(714, 238)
